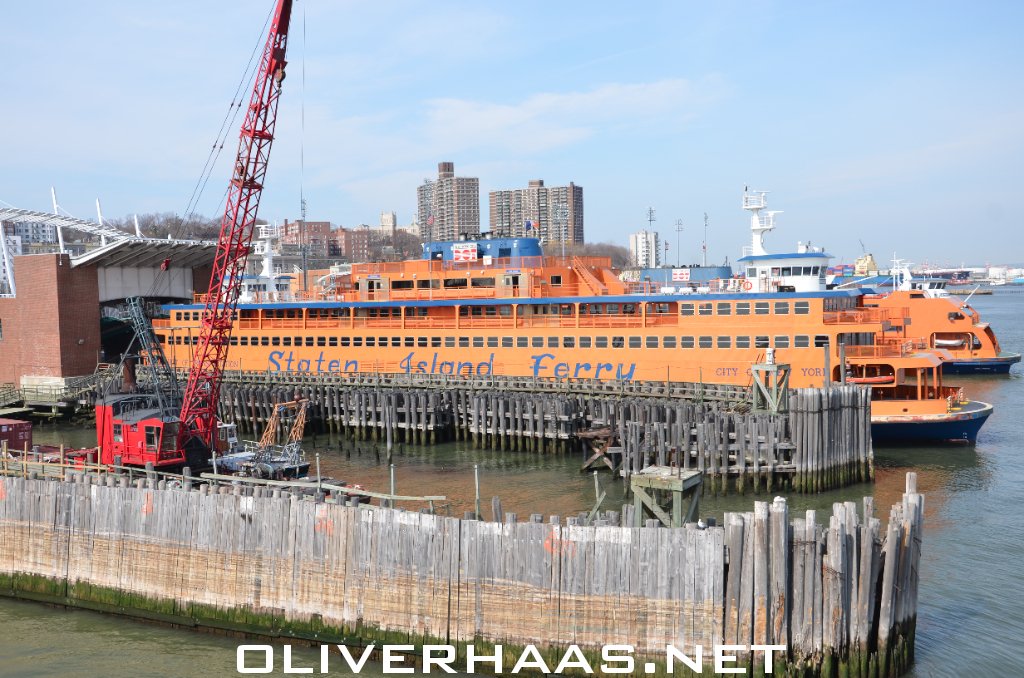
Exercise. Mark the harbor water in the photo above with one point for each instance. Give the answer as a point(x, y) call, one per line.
point(971, 609)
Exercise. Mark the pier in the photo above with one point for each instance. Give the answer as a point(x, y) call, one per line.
point(839, 591)
point(820, 441)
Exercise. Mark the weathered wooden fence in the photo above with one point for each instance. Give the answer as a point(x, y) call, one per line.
point(823, 441)
point(841, 594)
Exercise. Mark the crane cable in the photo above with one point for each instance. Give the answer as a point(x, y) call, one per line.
point(227, 124)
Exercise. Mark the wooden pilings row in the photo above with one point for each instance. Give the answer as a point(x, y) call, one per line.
point(840, 594)
point(822, 442)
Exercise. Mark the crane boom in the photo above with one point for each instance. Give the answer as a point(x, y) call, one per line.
point(199, 407)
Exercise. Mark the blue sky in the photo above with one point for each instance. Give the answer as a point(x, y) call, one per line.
point(895, 124)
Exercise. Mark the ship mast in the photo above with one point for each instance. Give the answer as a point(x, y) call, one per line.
point(755, 201)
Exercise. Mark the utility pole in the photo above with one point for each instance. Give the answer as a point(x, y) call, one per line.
point(679, 230)
point(704, 258)
point(302, 241)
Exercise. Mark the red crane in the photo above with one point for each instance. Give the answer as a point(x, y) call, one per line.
point(141, 424)
point(199, 407)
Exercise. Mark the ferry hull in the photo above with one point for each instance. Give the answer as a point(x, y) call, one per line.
point(999, 365)
point(959, 426)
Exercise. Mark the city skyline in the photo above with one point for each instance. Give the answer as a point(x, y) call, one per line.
point(667, 105)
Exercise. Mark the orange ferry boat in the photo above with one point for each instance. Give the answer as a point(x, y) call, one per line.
point(499, 306)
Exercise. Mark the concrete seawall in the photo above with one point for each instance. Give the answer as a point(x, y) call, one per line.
point(840, 594)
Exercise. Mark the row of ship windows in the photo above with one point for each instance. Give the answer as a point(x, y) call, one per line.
point(721, 308)
point(744, 307)
point(702, 341)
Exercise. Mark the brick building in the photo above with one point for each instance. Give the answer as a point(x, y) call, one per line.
point(316, 235)
point(51, 330)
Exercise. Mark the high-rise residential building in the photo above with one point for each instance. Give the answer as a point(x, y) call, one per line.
point(644, 249)
point(552, 213)
point(448, 208)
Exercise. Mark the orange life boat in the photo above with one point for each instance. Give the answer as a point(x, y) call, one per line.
point(880, 379)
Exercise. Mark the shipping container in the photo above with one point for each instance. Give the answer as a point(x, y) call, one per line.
point(16, 433)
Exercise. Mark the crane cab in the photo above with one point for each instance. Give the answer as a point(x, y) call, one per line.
point(133, 427)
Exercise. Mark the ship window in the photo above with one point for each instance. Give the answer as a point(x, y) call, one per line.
point(435, 342)
point(752, 272)
point(815, 270)
point(808, 270)
point(568, 342)
point(320, 341)
point(286, 341)
point(781, 308)
point(402, 284)
point(396, 342)
point(195, 315)
point(410, 342)
point(704, 342)
point(782, 341)
point(743, 308)
point(618, 342)
point(761, 308)
point(786, 270)
point(685, 309)
point(478, 342)
point(652, 342)
point(685, 342)
point(802, 307)
point(309, 341)
point(371, 341)
point(585, 342)
point(492, 342)
point(455, 282)
point(490, 310)
point(242, 341)
point(552, 342)
point(118, 434)
point(233, 341)
point(704, 309)
point(505, 311)
point(743, 342)
point(506, 342)
point(449, 342)
point(760, 341)
point(522, 342)
point(628, 309)
point(634, 342)
point(724, 342)
point(600, 342)
point(776, 270)
point(275, 341)
point(801, 341)
point(613, 309)
point(333, 341)
point(537, 342)
point(357, 341)
point(556, 280)
point(463, 342)
point(724, 308)
point(421, 342)
point(668, 342)
point(483, 282)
